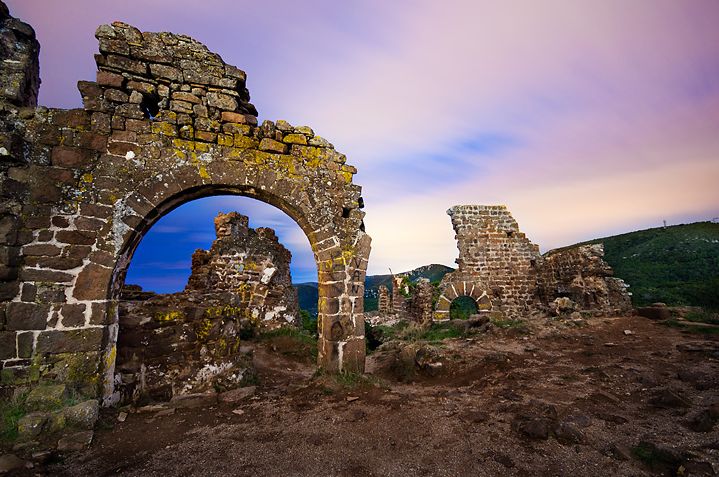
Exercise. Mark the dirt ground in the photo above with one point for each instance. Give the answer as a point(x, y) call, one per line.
point(563, 401)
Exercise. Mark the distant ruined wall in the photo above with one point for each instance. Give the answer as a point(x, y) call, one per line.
point(384, 304)
point(420, 308)
point(582, 275)
point(189, 342)
point(398, 299)
point(251, 266)
point(504, 273)
point(496, 264)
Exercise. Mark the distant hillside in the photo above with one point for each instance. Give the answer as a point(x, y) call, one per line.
point(307, 292)
point(677, 265)
point(307, 296)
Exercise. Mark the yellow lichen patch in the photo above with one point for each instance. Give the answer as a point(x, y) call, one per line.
point(184, 144)
point(202, 147)
point(245, 142)
point(86, 178)
point(110, 358)
point(163, 128)
point(347, 176)
point(172, 315)
point(225, 140)
point(203, 328)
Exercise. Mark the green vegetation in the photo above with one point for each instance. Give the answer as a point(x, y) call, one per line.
point(703, 316)
point(677, 265)
point(462, 307)
point(508, 323)
point(347, 381)
point(11, 411)
point(309, 322)
point(292, 341)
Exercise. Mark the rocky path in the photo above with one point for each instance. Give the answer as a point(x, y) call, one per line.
point(594, 400)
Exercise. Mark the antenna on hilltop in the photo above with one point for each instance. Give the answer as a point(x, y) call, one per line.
point(665, 223)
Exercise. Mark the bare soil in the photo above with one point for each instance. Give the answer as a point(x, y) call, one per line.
point(563, 401)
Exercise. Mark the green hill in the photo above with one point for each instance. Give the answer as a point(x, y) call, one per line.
point(307, 292)
point(677, 265)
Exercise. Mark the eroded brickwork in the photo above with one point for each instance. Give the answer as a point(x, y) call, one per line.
point(250, 265)
point(420, 308)
point(502, 270)
point(582, 275)
point(384, 304)
point(166, 121)
point(496, 264)
point(183, 343)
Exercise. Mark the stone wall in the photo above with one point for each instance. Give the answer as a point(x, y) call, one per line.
point(183, 343)
point(420, 307)
point(189, 342)
point(384, 304)
point(398, 299)
point(504, 273)
point(252, 267)
point(581, 275)
point(496, 264)
point(165, 122)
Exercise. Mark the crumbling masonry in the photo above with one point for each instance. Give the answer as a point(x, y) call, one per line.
point(251, 267)
point(165, 122)
point(189, 342)
point(505, 274)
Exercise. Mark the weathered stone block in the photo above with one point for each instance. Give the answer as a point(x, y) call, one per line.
point(25, 344)
point(92, 283)
point(69, 341)
point(76, 237)
point(83, 415)
point(26, 316)
point(107, 78)
point(221, 101)
point(295, 139)
point(273, 146)
point(73, 315)
point(32, 425)
point(8, 349)
point(75, 442)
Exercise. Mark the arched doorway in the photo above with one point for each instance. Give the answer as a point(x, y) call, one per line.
point(462, 308)
point(94, 180)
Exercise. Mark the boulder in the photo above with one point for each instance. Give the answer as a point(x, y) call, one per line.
point(83, 415)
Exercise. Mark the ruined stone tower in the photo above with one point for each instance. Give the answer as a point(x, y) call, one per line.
point(251, 267)
point(496, 264)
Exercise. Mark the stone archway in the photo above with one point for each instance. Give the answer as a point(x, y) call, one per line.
point(166, 122)
point(453, 290)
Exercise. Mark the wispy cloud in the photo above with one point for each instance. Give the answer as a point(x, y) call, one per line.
point(584, 117)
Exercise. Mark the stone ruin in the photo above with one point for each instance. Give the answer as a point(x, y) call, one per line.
point(252, 268)
point(186, 343)
point(503, 271)
point(506, 276)
point(164, 122)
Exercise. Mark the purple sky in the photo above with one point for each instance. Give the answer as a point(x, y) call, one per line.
point(586, 118)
